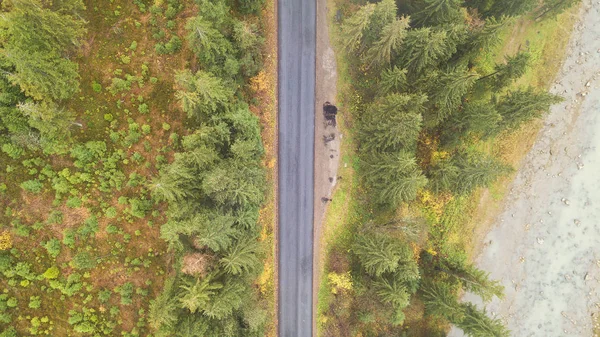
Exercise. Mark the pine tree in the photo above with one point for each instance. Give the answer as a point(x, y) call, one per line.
point(36, 37)
point(394, 178)
point(162, 313)
point(393, 80)
point(486, 38)
point(443, 176)
point(521, 106)
point(437, 12)
point(395, 294)
point(392, 123)
point(379, 254)
point(474, 280)
point(477, 170)
point(242, 257)
point(196, 294)
point(226, 300)
point(173, 183)
point(511, 7)
point(390, 39)
point(552, 8)
point(440, 300)
point(513, 69)
point(208, 43)
point(202, 94)
point(213, 230)
point(353, 28)
point(422, 49)
point(479, 119)
point(476, 323)
point(446, 95)
point(234, 185)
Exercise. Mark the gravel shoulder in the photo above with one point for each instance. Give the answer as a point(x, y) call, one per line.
point(327, 154)
point(545, 245)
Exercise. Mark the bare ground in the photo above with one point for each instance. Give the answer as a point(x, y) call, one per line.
point(545, 244)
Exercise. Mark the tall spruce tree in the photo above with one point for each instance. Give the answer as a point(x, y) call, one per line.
point(422, 49)
point(477, 170)
point(393, 122)
point(505, 74)
point(379, 254)
point(511, 7)
point(389, 41)
point(446, 94)
point(437, 12)
point(393, 177)
point(520, 106)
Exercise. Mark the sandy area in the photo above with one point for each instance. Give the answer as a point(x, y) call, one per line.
point(326, 153)
point(545, 245)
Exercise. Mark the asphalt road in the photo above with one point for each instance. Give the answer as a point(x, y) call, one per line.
point(297, 44)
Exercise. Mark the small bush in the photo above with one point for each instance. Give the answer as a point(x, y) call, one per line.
point(97, 87)
point(83, 260)
point(33, 186)
point(12, 151)
point(53, 247)
point(34, 302)
point(51, 273)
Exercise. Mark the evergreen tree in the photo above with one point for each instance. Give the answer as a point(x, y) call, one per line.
point(354, 27)
point(174, 183)
point(241, 257)
point(379, 254)
point(443, 176)
point(437, 12)
point(552, 8)
point(513, 69)
point(479, 119)
point(446, 95)
point(390, 39)
point(234, 185)
point(226, 300)
point(36, 37)
point(213, 230)
point(483, 40)
point(394, 178)
point(197, 294)
point(162, 313)
point(476, 323)
point(202, 93)
point(207, 42)
point(521, 106)
point(440, 300)
point(422, 49)
point(511, 7)
point(392, 123)
point(477, 170)
point(474, 280)
point(393, 80)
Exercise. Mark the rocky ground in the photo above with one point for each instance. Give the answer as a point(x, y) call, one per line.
point(545, 245)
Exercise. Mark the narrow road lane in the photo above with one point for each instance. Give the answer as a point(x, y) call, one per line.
point(297, 32)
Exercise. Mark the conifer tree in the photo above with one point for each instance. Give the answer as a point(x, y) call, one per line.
point(520, 106)
point(423, 48)
point(486, 38)
point(505, 74)
point(441, 300)
point(353, 28)
point(477, 170)
point(474, 280)
point(446, 95)
point(479, 119)
point(392, 123)
point(241, 257)
point(393, 80)
point(390, 39)
point(511, 7)
point(202, 94)
point(379, 254)
point(437, 12)
point(394, 178)
point(162, 313)
point(476, 323)
point(552, 8)
point(196, 294)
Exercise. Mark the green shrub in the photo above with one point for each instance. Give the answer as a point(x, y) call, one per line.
point(97, 87)
point(51, 273)
point(34, 186)
point(34, 302)
point(110, 212)
point(53, 247)
point(83, 260)
point(12, 151)
point(133, 45)
point(74, 202)
point(143, 108)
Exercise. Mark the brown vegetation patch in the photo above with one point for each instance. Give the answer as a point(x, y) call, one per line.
point(196, 264)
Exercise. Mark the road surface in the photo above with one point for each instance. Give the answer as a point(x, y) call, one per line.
point(545, 247)
point(297, 42)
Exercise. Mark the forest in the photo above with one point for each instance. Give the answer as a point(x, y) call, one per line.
point(422, 106)
point(131, 170)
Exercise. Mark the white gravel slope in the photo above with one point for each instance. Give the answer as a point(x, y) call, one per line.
point(545, 246)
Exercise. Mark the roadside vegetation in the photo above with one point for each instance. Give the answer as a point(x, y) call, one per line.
point(132, 169)
point(432, 93)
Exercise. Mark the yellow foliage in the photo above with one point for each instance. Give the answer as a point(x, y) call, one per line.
point(433, 202)
point(260, 82)
point(339, 282)
point(5, 240)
